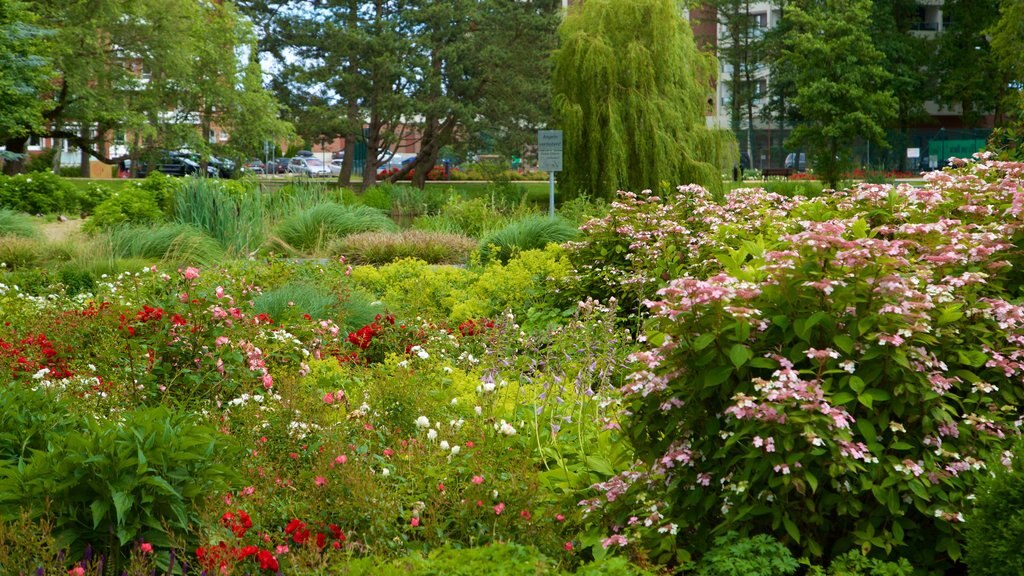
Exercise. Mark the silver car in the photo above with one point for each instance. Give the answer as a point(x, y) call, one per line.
point(311, 167)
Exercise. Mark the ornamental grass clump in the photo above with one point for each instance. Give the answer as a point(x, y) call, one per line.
point(312, 230)
point(17, 224)
point(178, 243)
point(843, 384)
point(386, 247)
point(528, 233)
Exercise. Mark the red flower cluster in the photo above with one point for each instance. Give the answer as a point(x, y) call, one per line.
point(364, 336)
point(299, 532)
point(149, 313)
point(221, 558)
point(33, 354)
point(474, 327)
point(239, 522)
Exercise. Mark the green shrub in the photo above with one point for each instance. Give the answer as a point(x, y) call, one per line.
point(129, 206)
point(995, 530)
point(313, 229)
point(529, 233)
point(411, 288)
point(473, 217)
point(38, 193)
point(27, 418)
point(17, 224)
point(734, 555)
point(142, 475)
point(171, 242)
point(529, 281)
point(93, 195)
point(855, 563)
point(505, 559)
point(378, 197)
point(384, 247)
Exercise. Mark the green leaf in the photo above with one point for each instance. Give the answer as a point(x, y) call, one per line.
point(812, 481)
point(766, 363)
point(122, 504)
point(703, 341)
point(99, 512)
point(842, 398)
point(791, 528)
point(879, 395)
point(865, 400)
point(844, 343)
point(717, 376)
point(857, 384)
point(740, 354)
point(950, 314)
point(867, 429)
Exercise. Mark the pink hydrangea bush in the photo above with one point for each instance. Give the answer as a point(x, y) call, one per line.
point(841, 384)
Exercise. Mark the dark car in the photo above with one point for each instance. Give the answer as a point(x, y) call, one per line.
point(170, 164)
point(280, 166)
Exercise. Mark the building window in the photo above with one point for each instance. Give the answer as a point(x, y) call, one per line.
point(759, 19)
point(760, 89)
point(34, 142)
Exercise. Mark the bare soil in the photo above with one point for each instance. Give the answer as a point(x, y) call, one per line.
point(61, 231)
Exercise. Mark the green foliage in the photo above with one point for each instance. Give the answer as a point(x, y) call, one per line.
point(841, 83)
point(38, 193)
point(93, 194)
point(996, 527)
point(734, 555)
point(28, 419)
point(176, 243)
point(231, 212)
point(506, 559)
point(292, 301)
point(630, 90)
point(385, 247)
point(138, 476)
point(25, 73)
point(17, 224)
point(128, 206)
point(411, 288)
point(855, 563)
point(530, 280)
point(313, 229)
point(529, 233)
point(473, 217)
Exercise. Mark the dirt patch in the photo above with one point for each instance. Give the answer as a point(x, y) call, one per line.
point(61, 231)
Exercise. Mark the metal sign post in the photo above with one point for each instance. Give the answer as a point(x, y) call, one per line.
point(549, 159)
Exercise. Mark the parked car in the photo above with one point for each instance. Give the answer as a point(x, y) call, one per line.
point(792, 161)
point(305, 154)
point(174, 164)
point(254, 166)
point(311, 167)
point(335, 166)
point(280, 166)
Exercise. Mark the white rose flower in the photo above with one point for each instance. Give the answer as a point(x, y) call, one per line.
point(423, 422)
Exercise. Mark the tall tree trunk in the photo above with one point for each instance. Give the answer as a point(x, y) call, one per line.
point(353, 132)
point(83, 155)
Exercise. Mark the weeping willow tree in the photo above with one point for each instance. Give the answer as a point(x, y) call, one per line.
point(630, 90)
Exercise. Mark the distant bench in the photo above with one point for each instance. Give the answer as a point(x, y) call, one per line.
point(776, 173)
